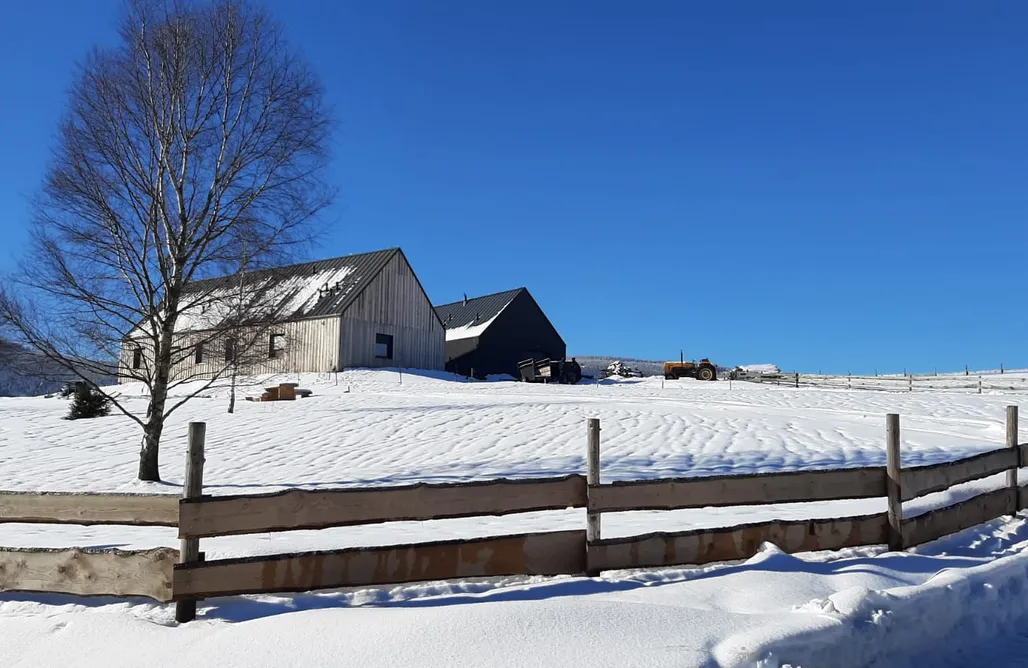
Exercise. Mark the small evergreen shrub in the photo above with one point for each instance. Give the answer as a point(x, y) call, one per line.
point(88, 402)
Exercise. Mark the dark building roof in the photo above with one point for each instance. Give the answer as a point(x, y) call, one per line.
point(476, 310)
point(309, 289)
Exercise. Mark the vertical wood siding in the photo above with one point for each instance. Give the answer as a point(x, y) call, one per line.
point(393, 304)
point(308, 345)
point(412, 348)
point(125, 361)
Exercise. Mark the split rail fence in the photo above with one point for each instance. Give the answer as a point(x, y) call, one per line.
point(184, 576)
point(1013, 381)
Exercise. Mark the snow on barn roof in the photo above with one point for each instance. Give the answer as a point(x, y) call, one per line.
point(468, 318)
point(306, 290)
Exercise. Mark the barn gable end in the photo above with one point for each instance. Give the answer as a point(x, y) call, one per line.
point(491, 334)
point(391, 323)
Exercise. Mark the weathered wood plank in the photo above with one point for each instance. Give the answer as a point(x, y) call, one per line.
point(85, 572)
point(320, 509)
point(192, 488)
point(1012, 472)
point(964, 515)
point(531, 554)
point(738, 542)
point(894, 481)
point(592, 458)
point(738, 490)
point(88, 509)
point(920, 480)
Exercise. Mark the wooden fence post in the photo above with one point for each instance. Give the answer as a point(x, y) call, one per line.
point(910, 380)
point(592, 478)
point(892, 481)
point(192, 488)
point(797, 380)
point(1012, 472)
point(979, 384)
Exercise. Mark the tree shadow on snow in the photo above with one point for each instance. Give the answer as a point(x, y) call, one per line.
point(69, 600)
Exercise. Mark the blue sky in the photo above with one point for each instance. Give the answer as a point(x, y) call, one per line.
point(834, 186)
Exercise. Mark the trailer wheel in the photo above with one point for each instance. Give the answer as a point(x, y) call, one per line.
point(706, 373)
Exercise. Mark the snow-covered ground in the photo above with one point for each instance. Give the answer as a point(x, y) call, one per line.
point(948, 600)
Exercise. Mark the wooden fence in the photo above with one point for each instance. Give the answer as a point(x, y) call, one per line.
point(150, 573)
point(88, 572)
point(1013, 381)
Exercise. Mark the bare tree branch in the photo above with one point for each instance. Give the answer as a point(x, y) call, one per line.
point(194, 148)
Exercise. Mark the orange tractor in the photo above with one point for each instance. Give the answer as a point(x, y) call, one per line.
point(702, 370)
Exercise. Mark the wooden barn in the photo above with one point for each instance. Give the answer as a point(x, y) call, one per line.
point(491, 334)
point(365, 310)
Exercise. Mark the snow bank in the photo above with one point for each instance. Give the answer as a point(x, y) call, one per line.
point(954, 612)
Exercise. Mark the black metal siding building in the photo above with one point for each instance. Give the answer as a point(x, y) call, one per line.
point(491, 334)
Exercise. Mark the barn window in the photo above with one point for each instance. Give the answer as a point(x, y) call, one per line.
point(276, 345)
point(230, 350)
point(384, 346)
point(198, 354)
point(137, 358)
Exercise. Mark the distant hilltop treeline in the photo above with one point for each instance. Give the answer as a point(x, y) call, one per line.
point(24, 373)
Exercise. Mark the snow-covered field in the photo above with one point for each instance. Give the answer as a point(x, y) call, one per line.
point(949, 600)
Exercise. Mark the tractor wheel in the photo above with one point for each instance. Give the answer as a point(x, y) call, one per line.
point(670, 376)
point(706, 373)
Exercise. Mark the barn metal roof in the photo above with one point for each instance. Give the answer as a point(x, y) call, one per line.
point(309, 289)
point(470, 312)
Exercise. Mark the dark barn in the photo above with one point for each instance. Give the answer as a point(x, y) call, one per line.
point(491, 334)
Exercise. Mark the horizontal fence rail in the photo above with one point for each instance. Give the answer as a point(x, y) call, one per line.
point(89, 509)
point(319, 509)
point(146, 573)
point(964, 515)
point(553, 553)
point(920, 480)
point(738, 490)
point(703, 546)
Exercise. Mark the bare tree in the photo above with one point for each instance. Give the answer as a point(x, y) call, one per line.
point(200, 135)
point(248, 328)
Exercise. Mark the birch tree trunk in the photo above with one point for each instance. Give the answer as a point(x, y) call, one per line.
point(193, 146)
